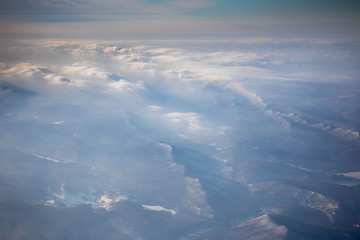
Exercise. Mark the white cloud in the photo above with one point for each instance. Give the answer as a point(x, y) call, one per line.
point(24, 69)
point(183, 65)
point(159, 208)
point(55, 160)
point(106, 202)
point(61, 192)
point(56, 79)
point(57, 122)
point(331, 128)
point(258, 102)
point(190, 119)
point(89, 49)
point(154, 108)
point(50, 202)
point(175, 69)
point(252, 97)
point(167, 148)
point(83, 73)
point(277, 117)
point(123, 85)
point(265, 224)
point(33, 73)
point(197, 203)
point(345, 134)
point(221, 68)
point(351, 174)
point(47, 158)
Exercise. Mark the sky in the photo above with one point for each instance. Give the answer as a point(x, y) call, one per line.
point(205, 8)
point(160, 18)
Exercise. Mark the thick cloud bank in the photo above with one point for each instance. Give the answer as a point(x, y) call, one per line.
point(172, 140)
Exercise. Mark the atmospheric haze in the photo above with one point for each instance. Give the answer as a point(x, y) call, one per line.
point(179, 119)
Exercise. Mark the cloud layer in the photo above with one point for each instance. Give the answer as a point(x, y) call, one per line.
point(193, 133)
point(183, 74)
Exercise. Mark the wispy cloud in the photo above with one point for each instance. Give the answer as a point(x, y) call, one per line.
point(47, 158)
point(159, 208)
point(57, 122)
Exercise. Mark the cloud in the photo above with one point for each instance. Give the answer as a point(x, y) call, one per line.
point(123, 85)
point(351, 174)
point(191, 120)
point(57, 122)
point(47, 158)
point(108, 68)
point(83, 73)
point(345, 134)
point(223, 68)
point(154, 108)
point(61, 193)
point(285, 119)
point(258, 102)
point(197, 201)
point(182, 65)
point(78, 75)
point(56, 79)
point(277, 117)
point(266, 226)
point(252, 97)
point(23, 69)
point(138, 118)
point(106, 202)
point(332, 128)
point(159, 208)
